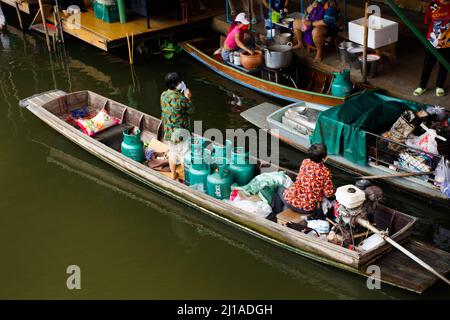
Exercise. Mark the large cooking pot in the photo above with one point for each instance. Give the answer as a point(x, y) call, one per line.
point(278, 56)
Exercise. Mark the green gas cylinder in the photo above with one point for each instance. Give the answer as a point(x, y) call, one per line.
point(219, 183)
point(198, 174)
point(240, 166)
point(197, 148)
point(132, 146)
point(221, 151)
point(341, 86)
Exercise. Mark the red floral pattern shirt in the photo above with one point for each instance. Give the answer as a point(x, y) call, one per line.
point(312, 183)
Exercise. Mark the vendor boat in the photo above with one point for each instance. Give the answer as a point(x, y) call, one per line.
point(56, 108)
point(312, 85)
point(358, 150)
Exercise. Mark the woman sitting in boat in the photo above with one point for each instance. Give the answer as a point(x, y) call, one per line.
point(235, 40)
point(313, 183)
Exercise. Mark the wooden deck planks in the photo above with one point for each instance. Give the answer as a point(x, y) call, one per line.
point(24, 6)
point(101, 34)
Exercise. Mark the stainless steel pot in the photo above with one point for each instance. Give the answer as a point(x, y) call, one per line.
point(278, 56)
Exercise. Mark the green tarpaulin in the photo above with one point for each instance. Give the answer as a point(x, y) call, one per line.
point(343, 128)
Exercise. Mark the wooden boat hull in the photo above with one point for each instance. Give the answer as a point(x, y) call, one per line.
point(266, 117)
point(255, 83)
point(286, 238)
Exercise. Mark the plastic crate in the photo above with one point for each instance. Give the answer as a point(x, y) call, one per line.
point(108, 13)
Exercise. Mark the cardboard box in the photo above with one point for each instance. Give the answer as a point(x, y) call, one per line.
point(288, 215)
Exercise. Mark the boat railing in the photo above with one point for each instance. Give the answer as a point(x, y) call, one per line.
point(379, 153)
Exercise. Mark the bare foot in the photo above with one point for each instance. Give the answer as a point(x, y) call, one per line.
point(174, 176)
point(317, 58)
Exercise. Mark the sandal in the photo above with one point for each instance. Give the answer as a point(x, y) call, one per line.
point(419, 91)
point(440, 92)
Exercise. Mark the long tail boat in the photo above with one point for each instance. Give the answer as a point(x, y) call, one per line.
point(55, 108)
point(271, 118)
point(313, 85)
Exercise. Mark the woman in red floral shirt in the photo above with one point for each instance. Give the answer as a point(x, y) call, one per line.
point(312, 184)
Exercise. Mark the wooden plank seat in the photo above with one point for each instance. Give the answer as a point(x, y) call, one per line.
point(289, 215)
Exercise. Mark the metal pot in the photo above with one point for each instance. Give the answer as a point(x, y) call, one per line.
point(343, 53)
point(353, 54)
point(278, 56)
point(284, 38)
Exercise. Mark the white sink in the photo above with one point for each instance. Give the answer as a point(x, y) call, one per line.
point(382, 32)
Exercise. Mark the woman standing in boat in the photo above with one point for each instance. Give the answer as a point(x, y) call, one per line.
point(313, 183)
point(176, 107)
point(235, 37)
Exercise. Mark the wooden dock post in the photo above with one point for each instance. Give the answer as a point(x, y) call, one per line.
point(366, 34)
point(44, 25)
point(18, 15)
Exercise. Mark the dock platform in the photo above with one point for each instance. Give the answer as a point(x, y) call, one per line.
point(106, 35)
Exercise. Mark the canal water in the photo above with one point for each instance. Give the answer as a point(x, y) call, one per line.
point(60, 206)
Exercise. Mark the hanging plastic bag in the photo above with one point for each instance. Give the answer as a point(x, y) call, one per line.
point(442, 177)
point(426, 142)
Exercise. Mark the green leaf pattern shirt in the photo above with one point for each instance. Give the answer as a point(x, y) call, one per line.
point(175, 111)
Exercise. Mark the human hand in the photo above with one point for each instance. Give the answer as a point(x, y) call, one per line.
point(251, 52)
point(188, 94)
point(285, 10)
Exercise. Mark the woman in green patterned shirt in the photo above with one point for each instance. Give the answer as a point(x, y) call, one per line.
point(176, 107)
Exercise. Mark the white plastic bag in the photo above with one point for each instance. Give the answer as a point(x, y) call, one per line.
point(442, 177)
point(426, 142)
point(259, 208)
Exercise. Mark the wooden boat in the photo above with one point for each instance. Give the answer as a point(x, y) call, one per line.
point(314, 86)
point(269, 118)
point(54, 107)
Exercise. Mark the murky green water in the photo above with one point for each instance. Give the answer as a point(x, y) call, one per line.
point(60, 206)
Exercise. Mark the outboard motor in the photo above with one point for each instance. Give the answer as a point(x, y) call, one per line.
point(351, 200)
point(354, 202)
